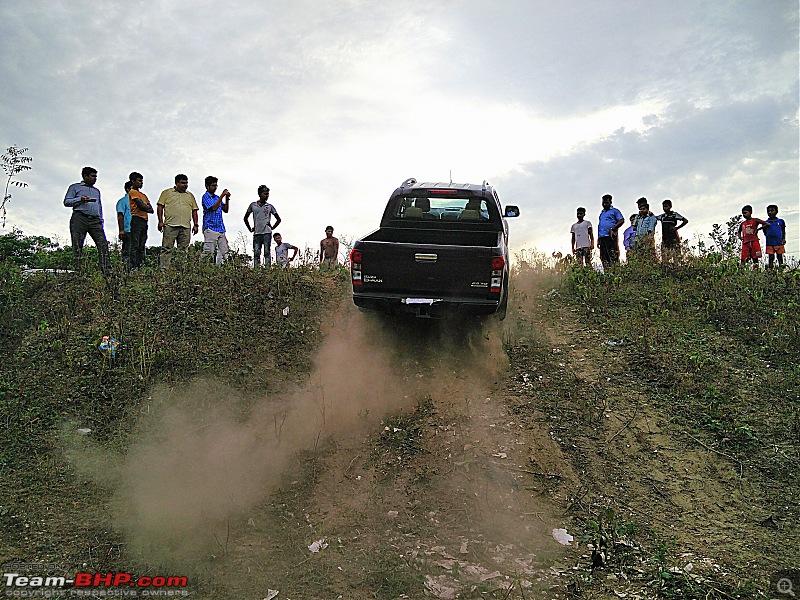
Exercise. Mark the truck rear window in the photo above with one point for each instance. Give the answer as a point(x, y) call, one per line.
point(442, 209)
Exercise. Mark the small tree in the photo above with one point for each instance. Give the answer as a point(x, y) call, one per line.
point(726, 240)
point(14, 162)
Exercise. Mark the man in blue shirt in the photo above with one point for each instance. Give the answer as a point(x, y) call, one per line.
point(608, 224)
point(124, 222)
point(214, 240)
point(645, 225)
point(87, 217)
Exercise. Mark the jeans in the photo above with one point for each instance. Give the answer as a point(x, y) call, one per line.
point(262, 240)
point(138, 237)
point(79, 225)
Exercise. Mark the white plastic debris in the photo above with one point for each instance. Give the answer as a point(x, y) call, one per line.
point(271, 594)
point(318, 545)
point(285, 312)
point(392, 514)
point(562, 537)
point(84, 431)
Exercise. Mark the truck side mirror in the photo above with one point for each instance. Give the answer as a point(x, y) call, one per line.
point(511, 211)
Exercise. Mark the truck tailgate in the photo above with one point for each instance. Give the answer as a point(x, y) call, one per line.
point(426, 270)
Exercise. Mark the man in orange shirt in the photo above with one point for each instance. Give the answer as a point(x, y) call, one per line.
point(140, 208)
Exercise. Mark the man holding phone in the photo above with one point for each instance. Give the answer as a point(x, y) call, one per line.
point(87, 217)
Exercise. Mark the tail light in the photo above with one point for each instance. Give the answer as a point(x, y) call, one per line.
point(498, 262)
point(355, 266)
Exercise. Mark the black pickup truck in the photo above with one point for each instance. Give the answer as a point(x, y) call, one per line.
point(441, 249)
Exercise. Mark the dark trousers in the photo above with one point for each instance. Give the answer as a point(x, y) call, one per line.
point(79, 225)
point(138, 241)
point(609, 249)
point(125, 238)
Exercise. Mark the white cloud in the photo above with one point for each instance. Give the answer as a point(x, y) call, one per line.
point(333, 104)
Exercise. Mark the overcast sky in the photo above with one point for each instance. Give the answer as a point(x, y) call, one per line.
point(333, 103)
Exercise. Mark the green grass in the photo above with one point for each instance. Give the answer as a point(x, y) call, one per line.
point(719, 340)
point(714, 348)
point(193, 320)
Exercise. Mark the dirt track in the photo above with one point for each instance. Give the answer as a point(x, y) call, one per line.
point(430, 462)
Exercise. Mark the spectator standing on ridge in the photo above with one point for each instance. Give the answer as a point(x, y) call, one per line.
point(282, 251)
point(628, 235)
point(262, 212)
point(644, 243)
point(775, 235)
point(214, 240)
point(177, 218)
point(140, 207)
point(748, 233)
point(124, 222)
point(87, 217)
point(670, 240)
point(582, 239)
point(329, 249)
point(608, 224)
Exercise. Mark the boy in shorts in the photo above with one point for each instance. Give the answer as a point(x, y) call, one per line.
point(582, 239)
point(748, 233)
point(775, 235)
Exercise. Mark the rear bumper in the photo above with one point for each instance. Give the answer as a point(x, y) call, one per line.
point(401, 304)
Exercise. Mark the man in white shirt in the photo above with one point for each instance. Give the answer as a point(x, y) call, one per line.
point(582, 239)
point(282, 251)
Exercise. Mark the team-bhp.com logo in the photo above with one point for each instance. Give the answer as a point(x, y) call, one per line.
point(93, 584)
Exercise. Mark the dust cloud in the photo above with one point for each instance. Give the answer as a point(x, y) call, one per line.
point(204, 455)
point(200, 459)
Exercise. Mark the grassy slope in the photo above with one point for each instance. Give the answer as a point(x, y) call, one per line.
point(712, 346)
point(191, 321)
point(713, 349)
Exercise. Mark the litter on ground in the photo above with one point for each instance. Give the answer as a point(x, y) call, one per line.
point(562, 537)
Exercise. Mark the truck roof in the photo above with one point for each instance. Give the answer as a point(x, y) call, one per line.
point(413, 184)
